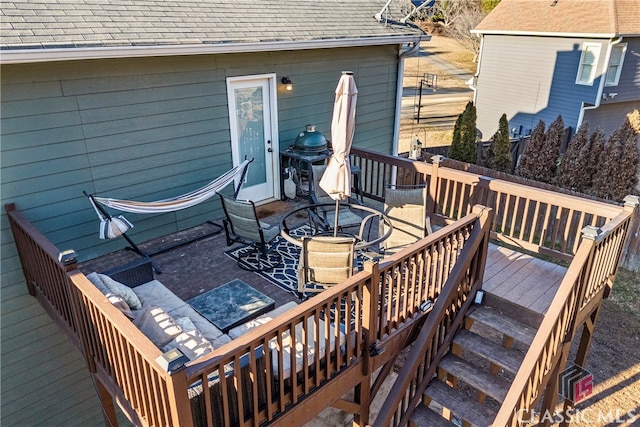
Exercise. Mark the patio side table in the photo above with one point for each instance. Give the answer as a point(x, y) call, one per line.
point(231, 304)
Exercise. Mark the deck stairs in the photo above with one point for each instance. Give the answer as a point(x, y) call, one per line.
point(474, 377)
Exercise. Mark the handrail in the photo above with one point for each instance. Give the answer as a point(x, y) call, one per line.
point(428, 263)
point(530, 218)
point(600, 250)
point(111, 345)
point(120, 351)
point(447, 315)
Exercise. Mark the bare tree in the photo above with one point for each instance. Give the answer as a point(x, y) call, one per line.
point(459, 18)
point(448, 10)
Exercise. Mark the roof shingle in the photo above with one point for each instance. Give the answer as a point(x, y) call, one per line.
point(597, 17)
point(81, 23)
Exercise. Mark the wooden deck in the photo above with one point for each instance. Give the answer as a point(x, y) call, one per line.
point(521, 278)
point(197, 267)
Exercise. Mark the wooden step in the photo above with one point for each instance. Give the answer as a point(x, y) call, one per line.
point(503, 324)
point(424, 416)
point(522, 314)
point(493, 387)
point(494, 353)
point(460, 405)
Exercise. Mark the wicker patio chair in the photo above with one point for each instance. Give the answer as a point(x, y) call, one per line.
point(242, 225)
point(324, 261)
point(406, 206)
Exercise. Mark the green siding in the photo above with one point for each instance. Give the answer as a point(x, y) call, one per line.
point(144, 129)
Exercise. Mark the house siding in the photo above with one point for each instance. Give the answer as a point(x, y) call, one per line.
point(609, 117)
point(628, 87)
point(531, 79)
point(140, 129)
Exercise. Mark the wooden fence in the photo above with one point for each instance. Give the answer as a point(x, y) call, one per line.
point(587, 233)
point(631, 254)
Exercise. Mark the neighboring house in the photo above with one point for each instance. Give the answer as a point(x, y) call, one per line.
point(147, 100)
point(544, 58)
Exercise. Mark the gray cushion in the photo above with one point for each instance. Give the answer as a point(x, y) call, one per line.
point(117, 302)
point(157, 325)
point(208, 329)
point(185, 323)
point(192, 344)
point(123, 291)
point(120, 304)
point(154, 293)
point(238, 331)
point(97, 282)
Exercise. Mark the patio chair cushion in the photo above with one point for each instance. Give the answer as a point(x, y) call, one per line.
point(186, 324)
point(157, 325)
point(154, 293)
point(311, 350)
point(120, 304)
point(208, 329)
point(238, 331)
point(191, 343)
point(98, 283)
point(117, 302)
point(123, 291)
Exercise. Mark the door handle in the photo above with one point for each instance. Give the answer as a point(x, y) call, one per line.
point(270, 150)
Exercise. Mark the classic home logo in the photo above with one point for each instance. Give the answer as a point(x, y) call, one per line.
point(576, 384)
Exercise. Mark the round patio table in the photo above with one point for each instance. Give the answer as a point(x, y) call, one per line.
point(361, 244)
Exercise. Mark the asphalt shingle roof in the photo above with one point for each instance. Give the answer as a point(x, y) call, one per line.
point(49, 24)
point(598, 17)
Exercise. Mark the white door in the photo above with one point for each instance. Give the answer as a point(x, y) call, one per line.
point(253, 122)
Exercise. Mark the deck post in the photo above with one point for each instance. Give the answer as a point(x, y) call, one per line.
point(589, 236)
point(362, 392)
point(106, 402)
point(433, 184)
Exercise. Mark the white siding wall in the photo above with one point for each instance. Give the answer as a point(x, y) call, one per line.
point(530, 79)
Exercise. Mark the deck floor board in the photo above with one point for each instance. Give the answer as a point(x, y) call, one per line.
point(521, 278)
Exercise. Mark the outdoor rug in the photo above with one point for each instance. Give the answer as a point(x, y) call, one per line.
point(284, 276)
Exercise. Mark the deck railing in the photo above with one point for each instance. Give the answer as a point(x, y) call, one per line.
point(247, 382)
point(286, 370)
point(45, 275)
point(441, 325)
point(588, 279)
point(419, 273)
point(530, 218)
point(121, 356)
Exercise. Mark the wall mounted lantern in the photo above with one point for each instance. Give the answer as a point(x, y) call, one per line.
point(288, 84)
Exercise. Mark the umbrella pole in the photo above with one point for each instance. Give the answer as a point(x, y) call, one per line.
point(335, 225)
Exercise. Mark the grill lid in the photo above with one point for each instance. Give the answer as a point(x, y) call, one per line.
point(310, 141)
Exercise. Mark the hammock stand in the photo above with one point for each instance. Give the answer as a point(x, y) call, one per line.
point(147, 255)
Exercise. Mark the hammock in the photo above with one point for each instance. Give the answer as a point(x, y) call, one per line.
point(176, 203)
point(112, 227)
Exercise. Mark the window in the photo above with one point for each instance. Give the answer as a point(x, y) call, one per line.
point(615, 64)
point(588, 64)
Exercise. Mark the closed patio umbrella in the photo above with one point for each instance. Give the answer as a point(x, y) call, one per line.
point(336, 180)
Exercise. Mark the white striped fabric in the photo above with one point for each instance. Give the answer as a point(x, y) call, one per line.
point(180, 202)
